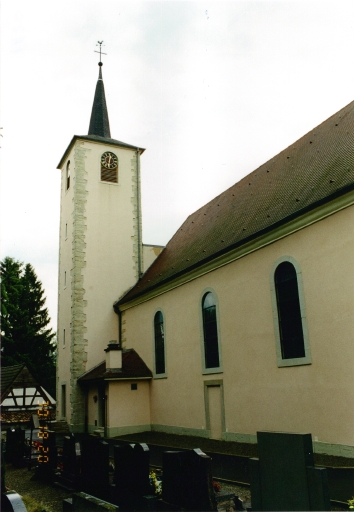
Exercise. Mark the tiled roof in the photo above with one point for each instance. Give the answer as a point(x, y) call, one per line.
point(310, 172)
point(8, 376)
point(11, 417)
point(133, 367)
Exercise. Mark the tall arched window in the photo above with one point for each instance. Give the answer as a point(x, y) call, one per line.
point(289, 312)
point(159, 343)
point(210, 328)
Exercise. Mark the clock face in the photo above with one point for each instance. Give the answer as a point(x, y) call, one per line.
point(109, 160)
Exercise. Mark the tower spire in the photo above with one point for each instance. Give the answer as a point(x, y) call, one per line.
point(99, 122)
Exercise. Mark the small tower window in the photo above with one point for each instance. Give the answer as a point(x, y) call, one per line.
point(109, 167)
point(68, 175)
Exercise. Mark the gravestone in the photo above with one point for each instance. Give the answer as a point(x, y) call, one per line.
point(71, 455)
point(187, 480)
point(141, 468)
point(12, 502)
point(94, 477)
point(284, 476)
point(123, 477)
point(71, 463)
point(15, 446)
point(131, 475)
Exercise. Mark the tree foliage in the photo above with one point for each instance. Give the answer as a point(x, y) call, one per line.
point(25, 335)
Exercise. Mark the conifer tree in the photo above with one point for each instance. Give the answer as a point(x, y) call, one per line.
point(26, 337)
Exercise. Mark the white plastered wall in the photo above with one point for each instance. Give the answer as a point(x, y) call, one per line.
point(101, 256)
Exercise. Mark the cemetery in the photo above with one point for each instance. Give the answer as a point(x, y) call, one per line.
point(115, 474)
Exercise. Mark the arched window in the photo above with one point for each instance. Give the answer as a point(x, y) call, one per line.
point(289, 312)
point(68, 175)
point(159, 343)
point(210, 331)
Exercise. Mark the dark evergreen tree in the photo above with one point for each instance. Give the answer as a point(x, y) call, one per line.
point(26, 337)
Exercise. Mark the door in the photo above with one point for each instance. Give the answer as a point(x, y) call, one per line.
point(215, 411)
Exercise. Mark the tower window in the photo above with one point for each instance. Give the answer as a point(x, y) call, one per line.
point(63, 337)
point(68, 175)
point(159, 344)
point(63, 401)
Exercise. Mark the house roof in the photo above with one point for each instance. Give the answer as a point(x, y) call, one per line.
point(133, 367)
point(9, 375)
point(314, 170)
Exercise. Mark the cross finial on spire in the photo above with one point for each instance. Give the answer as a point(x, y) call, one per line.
point(99, 43)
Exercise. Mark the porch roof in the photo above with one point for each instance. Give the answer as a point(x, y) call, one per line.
point(133, 367)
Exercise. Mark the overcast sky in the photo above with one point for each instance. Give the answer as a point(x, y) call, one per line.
point(211, 89)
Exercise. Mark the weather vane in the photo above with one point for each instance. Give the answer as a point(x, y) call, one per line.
point(100, 52)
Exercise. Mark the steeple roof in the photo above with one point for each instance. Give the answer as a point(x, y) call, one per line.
point(99, 123)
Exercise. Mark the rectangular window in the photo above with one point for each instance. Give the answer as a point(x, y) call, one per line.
point(63, 401)
point(66, 230)
point(63, 337)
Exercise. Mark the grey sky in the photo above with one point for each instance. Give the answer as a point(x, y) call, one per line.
point(210, 89)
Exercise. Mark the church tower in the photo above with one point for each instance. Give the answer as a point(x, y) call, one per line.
point(100, 252)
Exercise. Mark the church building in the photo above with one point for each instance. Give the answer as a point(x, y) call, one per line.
point(243, 322)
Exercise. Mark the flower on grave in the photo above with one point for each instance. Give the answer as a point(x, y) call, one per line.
point(155, 483)
point(351, 503)
point(216, 486)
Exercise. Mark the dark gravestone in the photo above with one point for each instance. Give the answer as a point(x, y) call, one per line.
point(71, 456)
point(141, 469)
point(94, 478)
point(280, 478)
point(71, 463)
point(131, 474)
point(174, 480)
point(15, 446)
point(123, 477)
point(187, 480)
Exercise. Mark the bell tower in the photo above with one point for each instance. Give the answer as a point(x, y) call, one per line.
point(100, 250)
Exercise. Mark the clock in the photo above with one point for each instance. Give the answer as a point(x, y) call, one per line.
point(109, 160)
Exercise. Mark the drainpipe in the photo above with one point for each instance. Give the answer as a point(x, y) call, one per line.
point(138, 211)
point(119, 313)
